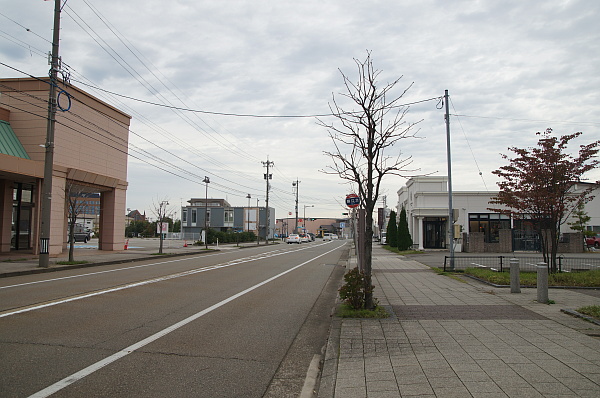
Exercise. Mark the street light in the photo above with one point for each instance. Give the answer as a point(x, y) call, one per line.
point(248, 211)
point(206, 181)
point(305, 206)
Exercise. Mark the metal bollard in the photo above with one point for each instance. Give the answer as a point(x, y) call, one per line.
point(542, 283)
point(515, 282)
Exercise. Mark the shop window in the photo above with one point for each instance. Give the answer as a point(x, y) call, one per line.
point(490, 224)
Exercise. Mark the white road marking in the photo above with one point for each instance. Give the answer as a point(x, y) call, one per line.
point(128, 268)
point(128, 350)
point(144, 282)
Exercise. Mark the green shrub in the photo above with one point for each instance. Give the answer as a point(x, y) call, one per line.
point(353, 292)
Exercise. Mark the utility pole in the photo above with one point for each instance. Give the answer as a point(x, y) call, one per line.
point(257, 223)
point(450, 210)
point(49, 159)
point(268, 176)
point(295, 186)
point(206, 181)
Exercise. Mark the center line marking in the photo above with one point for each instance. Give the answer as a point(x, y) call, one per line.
point(59, 385)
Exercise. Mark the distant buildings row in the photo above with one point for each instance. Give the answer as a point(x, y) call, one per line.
point(90, 150)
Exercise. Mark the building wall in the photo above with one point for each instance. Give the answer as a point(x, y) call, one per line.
point(90, 149)
point(428, 197)
point(217, 218)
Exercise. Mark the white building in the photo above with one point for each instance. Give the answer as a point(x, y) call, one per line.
point(425, 200)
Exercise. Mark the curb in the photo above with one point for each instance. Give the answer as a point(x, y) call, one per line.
point(95, 264)
point(580, 315)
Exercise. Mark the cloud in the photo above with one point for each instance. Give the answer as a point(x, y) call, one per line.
point(512, 68)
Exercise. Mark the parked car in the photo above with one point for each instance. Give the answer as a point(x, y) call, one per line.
point(327, 236)
point(293, 238)
point(80, 234)
point(593, 241)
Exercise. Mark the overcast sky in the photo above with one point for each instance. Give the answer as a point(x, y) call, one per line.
point(512, 68)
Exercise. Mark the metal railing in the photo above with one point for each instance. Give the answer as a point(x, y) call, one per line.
point(527, 263)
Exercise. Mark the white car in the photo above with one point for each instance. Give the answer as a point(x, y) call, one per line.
point(293, 238)
point(305, 238)
point(327, 236)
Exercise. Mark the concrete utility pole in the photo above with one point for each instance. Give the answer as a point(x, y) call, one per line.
point(295, 186)
point(206, 181)
point(49, 159)
point(268, 176)
point(450, 211)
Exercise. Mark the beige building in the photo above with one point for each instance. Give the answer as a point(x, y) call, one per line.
point(90, 155)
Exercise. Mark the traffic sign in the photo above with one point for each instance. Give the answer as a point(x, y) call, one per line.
point(352, 200)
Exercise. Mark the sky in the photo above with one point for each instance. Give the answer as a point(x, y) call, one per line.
point(252, 75)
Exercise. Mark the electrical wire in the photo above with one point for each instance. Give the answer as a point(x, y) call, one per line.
point(470, 148)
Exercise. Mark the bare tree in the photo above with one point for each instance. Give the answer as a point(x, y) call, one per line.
point(74, 207)
point(160, 210)
point(368, 131)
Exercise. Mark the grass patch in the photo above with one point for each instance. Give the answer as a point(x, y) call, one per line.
point(14, 260)
point(71, 262)
point(402, 252)
point(590, 310)
point(346, 311)
point(578, 279)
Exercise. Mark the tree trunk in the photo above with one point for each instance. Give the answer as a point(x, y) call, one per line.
point(72, 241)
point(368, 250)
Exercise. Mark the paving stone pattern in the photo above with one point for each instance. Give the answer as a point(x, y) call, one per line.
point(450, 338)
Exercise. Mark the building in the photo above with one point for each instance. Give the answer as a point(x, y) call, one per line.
point(221, 216)
point(317, 226)
point(425, 200)
point(90, 156)
point(88, 206)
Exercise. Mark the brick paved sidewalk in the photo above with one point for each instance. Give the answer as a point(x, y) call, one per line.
point(453, 338)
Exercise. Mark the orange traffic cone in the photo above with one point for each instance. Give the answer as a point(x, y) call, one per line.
point(185, 243)
point(126, 244)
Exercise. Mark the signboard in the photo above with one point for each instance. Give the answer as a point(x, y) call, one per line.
point(342, 225)
point(352, 200)
point(165, 227)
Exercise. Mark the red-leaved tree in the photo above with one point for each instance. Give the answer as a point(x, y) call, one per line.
point(539, 184)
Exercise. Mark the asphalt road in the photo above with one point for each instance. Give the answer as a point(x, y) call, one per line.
point(243, 323)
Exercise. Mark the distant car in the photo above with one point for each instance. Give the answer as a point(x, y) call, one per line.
point(334, 236)
point(293, 238)
point(81, 237)
point(311, 236)
point(304, 238)
point(593, 241)
point(327, 236)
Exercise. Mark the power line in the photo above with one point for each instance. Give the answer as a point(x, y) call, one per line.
point(531, 120)
point(469, 145)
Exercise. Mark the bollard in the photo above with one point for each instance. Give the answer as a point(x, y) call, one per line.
point(126, 244)
point(515, 271)
point(542, 283)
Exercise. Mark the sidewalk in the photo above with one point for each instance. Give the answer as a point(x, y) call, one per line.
point(23, 262)
point(451, 338)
